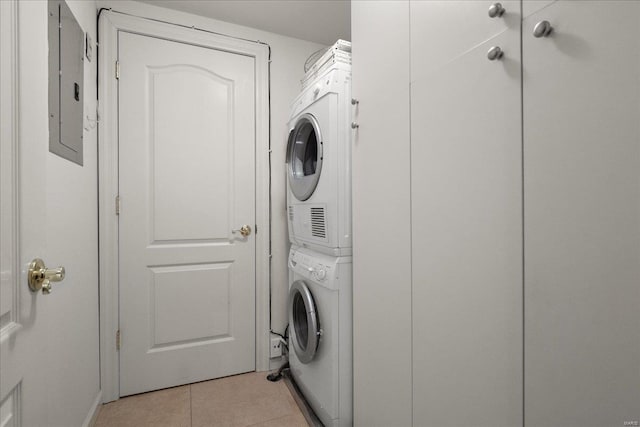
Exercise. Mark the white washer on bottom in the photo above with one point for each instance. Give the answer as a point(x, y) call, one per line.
point(320, 329)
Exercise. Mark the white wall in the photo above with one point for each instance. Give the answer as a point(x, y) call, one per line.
point(71, 311)
point(288, 56)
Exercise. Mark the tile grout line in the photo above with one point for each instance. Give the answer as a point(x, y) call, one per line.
point(270, 419)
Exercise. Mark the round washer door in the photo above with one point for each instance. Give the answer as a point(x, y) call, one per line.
point(304, 157)
point(303, 318)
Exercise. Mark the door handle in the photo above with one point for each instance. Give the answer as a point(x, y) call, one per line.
point(40, 277)
point(245, 230)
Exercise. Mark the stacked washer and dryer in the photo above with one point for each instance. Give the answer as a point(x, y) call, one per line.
point(319, 216)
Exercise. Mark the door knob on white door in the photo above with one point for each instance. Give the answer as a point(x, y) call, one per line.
point(245, 230)
point(496, 10)
point(542, 29)
point(40, 277)
point(495, 53)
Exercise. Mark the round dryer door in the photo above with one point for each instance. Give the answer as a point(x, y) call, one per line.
point(303, 321)
point(304, 157)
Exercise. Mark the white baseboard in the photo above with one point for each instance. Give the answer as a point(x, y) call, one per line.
point(90, 420)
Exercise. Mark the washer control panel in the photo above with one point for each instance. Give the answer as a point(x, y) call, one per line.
point(312, 267)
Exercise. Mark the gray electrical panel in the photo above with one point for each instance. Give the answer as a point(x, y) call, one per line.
point(66, 82)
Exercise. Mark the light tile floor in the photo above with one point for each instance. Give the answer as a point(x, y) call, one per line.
point(241, 400)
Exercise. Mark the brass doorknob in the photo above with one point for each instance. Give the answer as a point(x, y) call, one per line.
point(245, 230)
point(40, 277)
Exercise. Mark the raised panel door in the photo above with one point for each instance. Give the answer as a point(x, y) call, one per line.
point(187, 181)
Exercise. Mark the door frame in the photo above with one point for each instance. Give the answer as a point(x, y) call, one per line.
point(109, 26)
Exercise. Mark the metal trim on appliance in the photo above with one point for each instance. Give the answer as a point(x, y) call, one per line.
point(302, 185)
point(303, 318)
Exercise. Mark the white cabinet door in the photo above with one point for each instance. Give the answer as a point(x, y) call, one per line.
point(443, 30)
point(582, 215)
point(187, 177)
point(381, 212)
point(466, 217)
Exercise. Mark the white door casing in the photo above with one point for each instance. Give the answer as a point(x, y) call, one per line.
point(180, 246)
point(187, 281)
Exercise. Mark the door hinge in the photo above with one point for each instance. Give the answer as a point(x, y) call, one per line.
point(255, 227)
point(117, 69)
point(117, 205)
point(118, 339)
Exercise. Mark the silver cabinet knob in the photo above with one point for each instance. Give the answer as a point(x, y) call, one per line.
point(495, 53)
point(496, 10)
point(542, 29)
point(354, 125)
point(354, 101)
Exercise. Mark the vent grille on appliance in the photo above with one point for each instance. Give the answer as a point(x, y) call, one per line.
point(291, 213)
point(318, 226)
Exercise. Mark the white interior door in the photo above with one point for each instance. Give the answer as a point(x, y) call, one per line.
point(187, 180)
point(24, 315)
point(582, 215)
point(22, 321)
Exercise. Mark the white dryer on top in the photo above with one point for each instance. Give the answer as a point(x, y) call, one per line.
point(319, 164)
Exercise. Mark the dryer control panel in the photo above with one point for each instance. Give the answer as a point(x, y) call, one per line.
point(333, 81)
